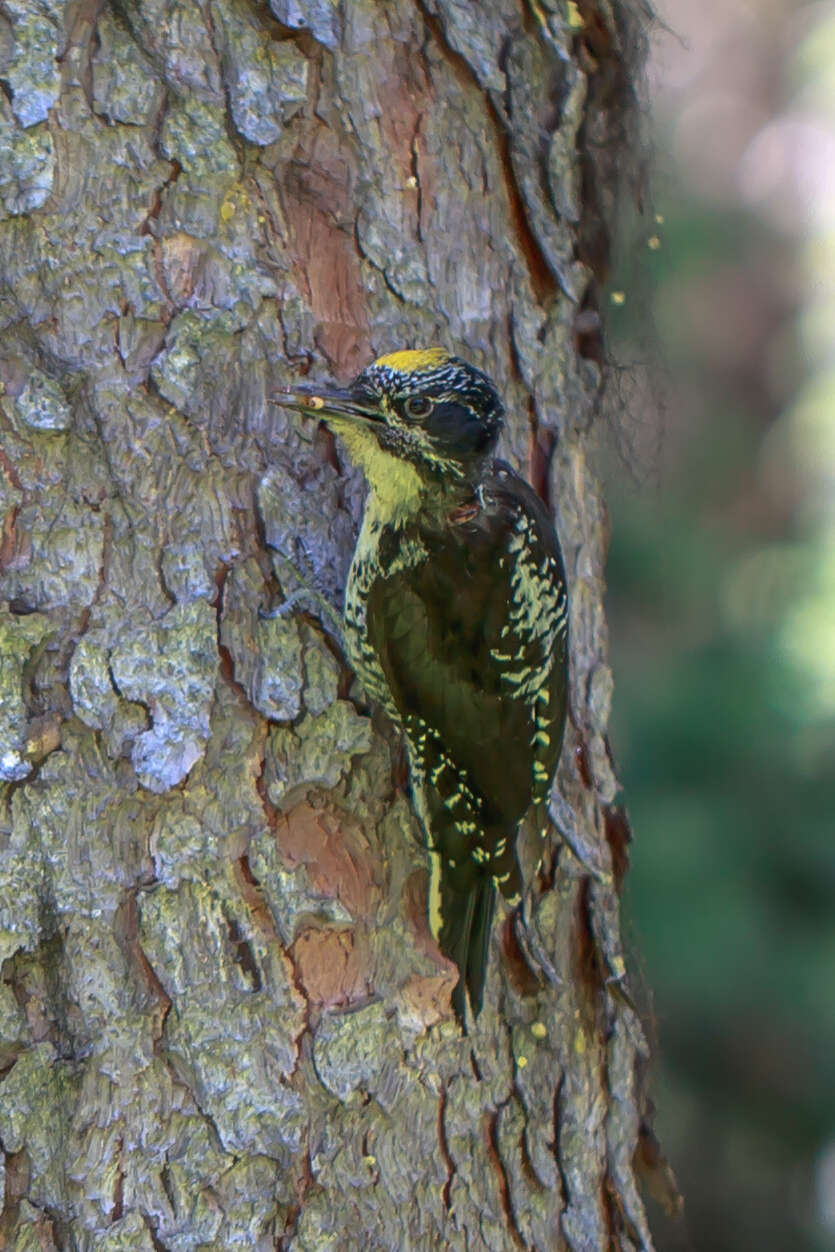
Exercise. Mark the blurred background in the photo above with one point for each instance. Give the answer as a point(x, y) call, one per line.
point(722, 613)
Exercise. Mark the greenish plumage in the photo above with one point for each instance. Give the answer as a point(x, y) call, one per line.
point(456, 622)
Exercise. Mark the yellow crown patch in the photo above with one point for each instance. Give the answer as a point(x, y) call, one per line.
point(410, 359)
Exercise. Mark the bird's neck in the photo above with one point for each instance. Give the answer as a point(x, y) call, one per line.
point(399, 491)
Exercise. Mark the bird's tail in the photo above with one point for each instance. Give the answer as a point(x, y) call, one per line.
point(464, 937)
point(462, 922)
point(461, 908)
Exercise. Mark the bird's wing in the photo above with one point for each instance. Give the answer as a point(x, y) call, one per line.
point(471, 640)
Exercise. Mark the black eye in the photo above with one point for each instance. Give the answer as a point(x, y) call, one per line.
point(418, 406)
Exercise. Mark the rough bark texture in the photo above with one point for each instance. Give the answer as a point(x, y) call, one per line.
point(222, 1020)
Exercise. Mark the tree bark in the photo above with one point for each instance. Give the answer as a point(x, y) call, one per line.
point(223, 1022)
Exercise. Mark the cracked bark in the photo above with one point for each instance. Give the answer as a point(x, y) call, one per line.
point(223, 1021)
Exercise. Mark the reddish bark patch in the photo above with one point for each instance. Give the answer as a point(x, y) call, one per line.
point(5, 464)
point(334, 852)
point(318, 200)
point(540, 452)
point(15, 545)
point(519, 973)
point(8, 536)
point(428, 1000)
point(182, 257)
point(405, 94)
point(581, 758)
point(619, 836)
point(331, 965)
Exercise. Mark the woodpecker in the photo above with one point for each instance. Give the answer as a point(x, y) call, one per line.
point(456, 623)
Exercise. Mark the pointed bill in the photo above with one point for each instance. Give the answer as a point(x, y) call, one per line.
point(325, 403)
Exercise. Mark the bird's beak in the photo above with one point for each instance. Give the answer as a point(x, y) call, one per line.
point(336, 402)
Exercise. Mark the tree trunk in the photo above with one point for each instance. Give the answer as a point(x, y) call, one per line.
point(223, 1022)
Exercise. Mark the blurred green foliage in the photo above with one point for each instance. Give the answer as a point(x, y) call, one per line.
point(728, 776)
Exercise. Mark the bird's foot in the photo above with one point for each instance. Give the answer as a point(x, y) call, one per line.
point(305, 596)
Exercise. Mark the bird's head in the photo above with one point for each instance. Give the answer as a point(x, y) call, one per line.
point(424, 406)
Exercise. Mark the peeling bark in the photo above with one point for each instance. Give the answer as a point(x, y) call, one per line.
point(223, 1021)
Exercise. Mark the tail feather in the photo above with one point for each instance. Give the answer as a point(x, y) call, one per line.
point(465, 938)
point(479, 946)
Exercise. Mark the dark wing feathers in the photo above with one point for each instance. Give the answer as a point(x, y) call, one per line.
point(433, 628)
point(436, 629)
